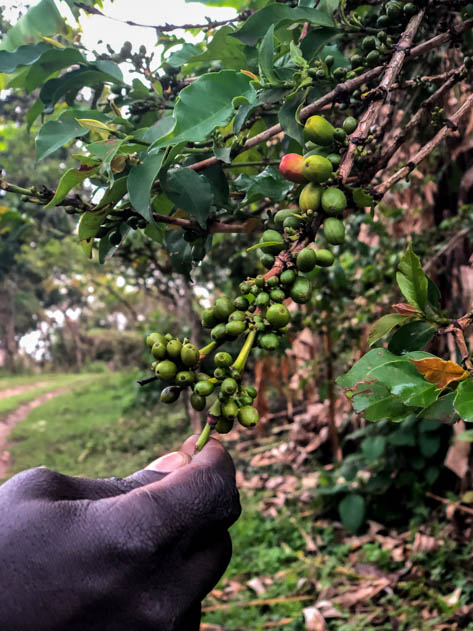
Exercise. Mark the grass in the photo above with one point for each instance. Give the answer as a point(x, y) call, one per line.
point(8, 404)
point(25, 380)
point(86, 432)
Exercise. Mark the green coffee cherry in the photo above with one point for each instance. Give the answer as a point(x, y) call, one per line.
point(223, 308)
point(197, 401)
point(168, 337)
point(241, 303)
point(334, 201)
point(224, 425)
point(269, 341)
point(301, 290)
point(292, 222)
point(219, 332)
point(237, 315)
point(208, 318)
point(278, 315)
point(201, 376)
point(340, 134)
point(262, 299)
point(317, 169)
point(267, 260)
point(334, 231)
point(260, 281)
point(273, 235)
point(245, 287)
point(248, 416)
point(190, 355)
point(324, 258)
point(287, 277)
point(305, 260)
point(229, 386)
point(368, 43)
point(277, 295)
point(170, 394)
point(159, 350)
point(220, 373)
point(234, 328)
point(245, 399)
point(252, 391)
point(223, 360)
point(310, 197)
point(230, 409)
point(173, 349)
point(204, 388)
point(350, 124)
point(166, 370)
point(184, 378)
point(152, 338)
point(281, 215)
point(373, 58)
point(335, 159)
point(319, 130)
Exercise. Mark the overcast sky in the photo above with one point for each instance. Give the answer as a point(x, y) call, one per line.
point(154, 12)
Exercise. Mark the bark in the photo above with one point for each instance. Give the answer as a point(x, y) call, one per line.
point(7, 323)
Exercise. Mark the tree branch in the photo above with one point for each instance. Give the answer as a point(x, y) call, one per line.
point(343, 88)
point(370, 116)
point(426, 150)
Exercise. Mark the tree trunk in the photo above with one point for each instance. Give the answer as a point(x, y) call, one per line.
point(7, 323)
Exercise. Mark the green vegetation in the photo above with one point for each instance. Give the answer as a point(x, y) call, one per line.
point(8, 404)
point(87, 432)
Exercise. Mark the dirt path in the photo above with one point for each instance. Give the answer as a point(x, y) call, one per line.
point(10, 420)
point(11, 392)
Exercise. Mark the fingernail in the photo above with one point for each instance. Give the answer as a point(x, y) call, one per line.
point(169, 462)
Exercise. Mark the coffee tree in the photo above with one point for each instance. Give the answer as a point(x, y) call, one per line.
point(286, 123)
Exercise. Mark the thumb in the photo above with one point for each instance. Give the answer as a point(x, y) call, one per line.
point(190, 497)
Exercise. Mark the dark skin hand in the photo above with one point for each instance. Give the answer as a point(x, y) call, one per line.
point(132, 554)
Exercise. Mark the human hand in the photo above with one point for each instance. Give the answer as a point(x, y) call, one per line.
point(132, 554)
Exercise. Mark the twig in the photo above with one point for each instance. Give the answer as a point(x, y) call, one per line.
point(454, 76)
point(426, 150)
point(448, 246)
point(144, 382)
point(214, 227)
point(370, 116)
point(342, 88)
point(158, 28)
point(257, 603)
point(457, 505)
point(457, 327)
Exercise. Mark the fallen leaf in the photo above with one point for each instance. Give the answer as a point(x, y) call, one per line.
point(314, 620)
point(440, 371)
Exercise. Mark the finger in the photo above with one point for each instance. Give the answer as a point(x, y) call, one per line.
point(200, 495)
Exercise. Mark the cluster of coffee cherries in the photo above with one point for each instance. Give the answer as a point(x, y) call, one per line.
point(315, 169)
point(178, 364)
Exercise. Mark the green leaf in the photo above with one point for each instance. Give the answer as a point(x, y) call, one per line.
point(51, 61)
point(442, 410)
point(352, 510)
point(464, 400)
point(140, 182)
point(114, 193)
point(373, 447)
point(183, 55)
point(287, 118)
point(315, 40)
point(411, 279)
point(225, 49)
point(372, 359)
point(384, 325)
point(268, 183)
point(190, 192)
point(71, 178)
point(23, 56)
point(180, 252)
point(404, 381)
point(429, 444)
point(156, 233)
point(413, 336)
point(434, 294)
point(256, 25)
point(205, 105)
point(42, 19)
point(265, 57)
point(376, 403)
point(89, 224)
point(362, 198)
point(55, 134)
point(220, 189)
point(70, 83)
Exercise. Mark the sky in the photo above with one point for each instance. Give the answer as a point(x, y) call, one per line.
point(157, 12)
